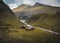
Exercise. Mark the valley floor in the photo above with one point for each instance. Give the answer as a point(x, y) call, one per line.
point(17, 35)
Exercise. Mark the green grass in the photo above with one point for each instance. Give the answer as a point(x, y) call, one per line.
point(7, 18)
point(46, 21)
point(17, 35)
point(11, 33)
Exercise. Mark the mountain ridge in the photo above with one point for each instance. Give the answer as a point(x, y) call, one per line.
point(10, 33)
point(41, 4)
point(7, 15)
point(29, 11)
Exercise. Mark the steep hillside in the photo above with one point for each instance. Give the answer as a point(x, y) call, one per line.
point(46, 21)
point(7, 16)
point(22, 7)
point(27, 11)
point(43, 16)
point(10, 33)
point(21, 11)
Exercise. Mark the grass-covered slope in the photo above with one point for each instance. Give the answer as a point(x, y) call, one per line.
point(16, 35)
point(10, 33)
point(7, 16)
point(46, 21)
point(26, 11)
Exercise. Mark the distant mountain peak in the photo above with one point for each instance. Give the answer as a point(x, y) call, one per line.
point(38, 4)
point(24, 5)
point(41, 4)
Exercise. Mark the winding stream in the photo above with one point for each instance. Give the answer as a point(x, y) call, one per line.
point(28, 25)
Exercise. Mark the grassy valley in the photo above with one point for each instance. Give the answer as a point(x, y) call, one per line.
point(10, 31)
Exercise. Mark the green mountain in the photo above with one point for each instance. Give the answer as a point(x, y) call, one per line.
point(10, 33)
point(40, 15)
point(48, 20)
point(26, 11)
point(21, 11)
point(7, 16)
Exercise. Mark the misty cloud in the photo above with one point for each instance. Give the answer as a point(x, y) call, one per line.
point(32, 2)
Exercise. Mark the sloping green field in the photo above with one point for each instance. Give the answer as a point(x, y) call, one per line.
point(46, 21)
point(17, 35)
point(7, 18)
point(10, 31)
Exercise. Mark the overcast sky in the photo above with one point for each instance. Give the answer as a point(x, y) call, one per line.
point(15, 3)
